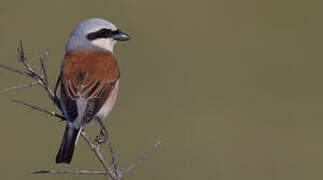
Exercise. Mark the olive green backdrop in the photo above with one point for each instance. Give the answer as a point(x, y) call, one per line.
point(232, 88)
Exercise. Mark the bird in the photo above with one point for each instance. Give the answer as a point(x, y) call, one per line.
point(88, 79)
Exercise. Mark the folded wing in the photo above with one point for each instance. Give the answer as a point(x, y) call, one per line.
point(89, 77)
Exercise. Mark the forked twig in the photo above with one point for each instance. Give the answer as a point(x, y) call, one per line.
point(96, 149)
point(110, 171)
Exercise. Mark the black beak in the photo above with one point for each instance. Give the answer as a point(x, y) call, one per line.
point(120, 36)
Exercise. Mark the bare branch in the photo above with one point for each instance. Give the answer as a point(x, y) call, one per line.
point(43, 61)
point(85, 172)
point(14, 70)
point(136, 163)
point(40, 109)
point(114, 162)
point(21, 86)
point(23, 60)
point(96, 150)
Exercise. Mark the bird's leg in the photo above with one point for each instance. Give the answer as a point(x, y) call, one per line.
point(103, 136)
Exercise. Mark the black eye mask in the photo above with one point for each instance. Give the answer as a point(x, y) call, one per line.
point(102, 33)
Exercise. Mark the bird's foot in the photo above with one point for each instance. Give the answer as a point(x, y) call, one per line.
point(102, 137)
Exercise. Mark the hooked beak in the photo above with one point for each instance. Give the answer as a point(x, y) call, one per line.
point(120, 36)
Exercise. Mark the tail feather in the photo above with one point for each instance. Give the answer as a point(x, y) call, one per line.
point(69, 141)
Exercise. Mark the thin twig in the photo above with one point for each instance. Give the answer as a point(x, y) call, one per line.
point(85, 172)
point(21, 86)
point(136, 163)
point(14, 70)
point(114, 162)
point(40, 109)
point(23, 60)
point(43, 61)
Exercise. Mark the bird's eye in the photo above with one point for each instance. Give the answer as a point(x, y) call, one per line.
point(105, 33)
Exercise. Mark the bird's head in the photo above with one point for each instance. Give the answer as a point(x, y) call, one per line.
point(95, 33)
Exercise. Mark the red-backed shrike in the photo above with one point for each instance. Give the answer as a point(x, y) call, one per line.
point(89, 79)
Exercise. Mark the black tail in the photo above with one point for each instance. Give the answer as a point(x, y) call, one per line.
point(66, 150)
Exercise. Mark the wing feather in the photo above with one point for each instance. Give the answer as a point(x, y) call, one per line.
point(89, 77)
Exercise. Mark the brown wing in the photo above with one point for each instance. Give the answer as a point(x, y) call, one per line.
point(90, 76)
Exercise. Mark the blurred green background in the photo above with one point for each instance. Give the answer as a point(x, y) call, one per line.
point(232, 88)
